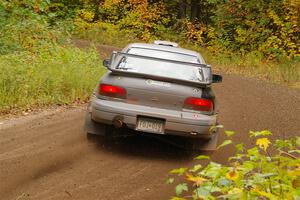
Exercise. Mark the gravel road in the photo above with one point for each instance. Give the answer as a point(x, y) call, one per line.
point(47, 155)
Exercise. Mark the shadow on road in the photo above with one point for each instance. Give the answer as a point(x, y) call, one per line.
point(147, 146)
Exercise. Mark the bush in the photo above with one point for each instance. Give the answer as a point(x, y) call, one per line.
point(264, 171)
point(139, 19)
point(25, 27)
point(104, 33)
point(271, 27)
point(59, 76)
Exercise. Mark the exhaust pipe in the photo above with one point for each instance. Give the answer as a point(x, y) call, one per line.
point(118, 122)
point(193, 133)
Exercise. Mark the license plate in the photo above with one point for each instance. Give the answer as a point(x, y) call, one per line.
point(150, 125)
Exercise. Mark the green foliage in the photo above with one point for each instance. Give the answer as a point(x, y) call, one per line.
point(25, 26)
point(178, 171)
point(141, 19)
point(181, 188)
point(202, 157)
point(59, 76)
point(268, 170)
point(145, 20)
point(256, 28)
point(103, 33)
point(225, 143)
point(257, 38)
point(270, 27)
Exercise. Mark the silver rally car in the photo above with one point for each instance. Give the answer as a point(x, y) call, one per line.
point(157, 89)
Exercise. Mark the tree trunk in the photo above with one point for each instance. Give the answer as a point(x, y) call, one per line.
point(195, 6)
point(182, 9)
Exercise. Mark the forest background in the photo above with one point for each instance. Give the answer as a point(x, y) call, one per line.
point(40, 66)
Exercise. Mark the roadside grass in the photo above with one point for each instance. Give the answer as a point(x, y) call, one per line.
point(251, 65)
point(56, 76)
point(103, 33)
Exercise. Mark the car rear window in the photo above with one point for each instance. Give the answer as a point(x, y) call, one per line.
point(163, 68)
point(163, 54)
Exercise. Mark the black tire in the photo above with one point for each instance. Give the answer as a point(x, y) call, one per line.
point(91, 136)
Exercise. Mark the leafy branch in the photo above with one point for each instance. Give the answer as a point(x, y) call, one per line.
point(267, 170)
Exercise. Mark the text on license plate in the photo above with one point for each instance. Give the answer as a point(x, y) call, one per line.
point(150, 125)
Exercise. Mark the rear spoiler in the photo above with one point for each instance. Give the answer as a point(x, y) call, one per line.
point(166, 43)
point(205, 70)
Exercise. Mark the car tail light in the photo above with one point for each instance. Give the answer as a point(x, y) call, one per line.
point(198, 104)
point(112, 91)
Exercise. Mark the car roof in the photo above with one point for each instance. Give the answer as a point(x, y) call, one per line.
point(166, 48)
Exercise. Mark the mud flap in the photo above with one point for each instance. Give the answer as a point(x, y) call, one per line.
point(207, 145)
point(91, 127)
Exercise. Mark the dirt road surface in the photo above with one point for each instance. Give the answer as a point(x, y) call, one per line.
point(47, 156)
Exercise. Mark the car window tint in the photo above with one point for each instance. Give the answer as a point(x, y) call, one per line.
point(164, 54)
point(163, 69)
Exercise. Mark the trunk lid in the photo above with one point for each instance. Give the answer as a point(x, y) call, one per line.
point(153, 93)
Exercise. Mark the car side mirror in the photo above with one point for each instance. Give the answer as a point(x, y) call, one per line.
point(106, 63)
point(217, 78)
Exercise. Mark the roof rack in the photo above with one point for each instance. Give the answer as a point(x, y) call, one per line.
point(165, 43)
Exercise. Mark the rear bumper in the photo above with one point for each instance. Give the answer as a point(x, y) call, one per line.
point(177, 122)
